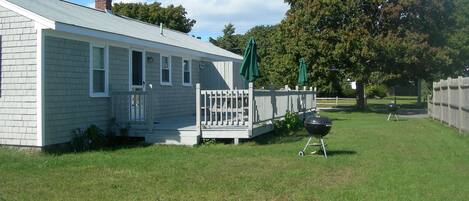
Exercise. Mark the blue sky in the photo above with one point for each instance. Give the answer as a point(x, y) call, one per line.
point(212, 15)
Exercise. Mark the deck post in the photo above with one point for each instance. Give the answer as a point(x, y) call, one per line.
point(251, 107)
point(149, 109)
point(197, 109)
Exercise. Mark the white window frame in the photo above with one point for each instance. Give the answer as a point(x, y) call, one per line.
point(189, 84)
point(106, 71)
point(170, 66)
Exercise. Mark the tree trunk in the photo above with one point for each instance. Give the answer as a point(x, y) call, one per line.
point(360, 95)
point(419, 91)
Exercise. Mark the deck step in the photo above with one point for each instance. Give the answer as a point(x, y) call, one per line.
point(173, 137)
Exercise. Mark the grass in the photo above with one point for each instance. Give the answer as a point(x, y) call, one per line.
point(370, 159)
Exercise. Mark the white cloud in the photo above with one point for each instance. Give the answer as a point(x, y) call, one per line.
point(212, 15)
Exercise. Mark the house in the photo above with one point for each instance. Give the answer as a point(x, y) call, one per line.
point(66, 66)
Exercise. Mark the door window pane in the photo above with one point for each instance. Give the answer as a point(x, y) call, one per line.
point(137, 68)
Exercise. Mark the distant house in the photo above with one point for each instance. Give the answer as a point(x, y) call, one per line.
point(62, 63)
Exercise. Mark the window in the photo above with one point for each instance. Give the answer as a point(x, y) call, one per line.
point(186, 72)
point(165, 73)
point(98, 71)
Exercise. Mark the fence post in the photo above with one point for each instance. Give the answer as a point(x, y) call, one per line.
point(433, 100)
point(441, 100)
point(460, 95)
point(251, 106)
point(197, 109)
point(336, 101)
point(448, 114)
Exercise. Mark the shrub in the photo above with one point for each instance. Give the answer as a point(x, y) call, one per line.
point(89, 139)
point(376, 91)
point(349, 92)
point(208, 141)
point(291, 123)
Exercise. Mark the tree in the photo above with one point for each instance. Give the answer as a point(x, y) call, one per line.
point(229, 41)
point(173, 17)
point(360, 38)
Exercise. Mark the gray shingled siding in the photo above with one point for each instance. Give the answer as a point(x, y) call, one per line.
point(67, 102)
point(17, 80)
point(175, 100)
point(118, 69)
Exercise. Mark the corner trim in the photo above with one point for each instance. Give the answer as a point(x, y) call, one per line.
point(40, 84)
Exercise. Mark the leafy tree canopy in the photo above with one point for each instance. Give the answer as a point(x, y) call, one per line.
point(173, 17)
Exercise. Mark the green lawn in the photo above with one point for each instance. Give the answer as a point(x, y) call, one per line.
point(370, 159)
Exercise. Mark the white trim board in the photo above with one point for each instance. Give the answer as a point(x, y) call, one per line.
point(40, 86)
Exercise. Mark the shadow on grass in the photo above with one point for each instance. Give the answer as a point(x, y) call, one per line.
point(280, 137)
point(340, 152)
point(130, 143)
point(404, 109)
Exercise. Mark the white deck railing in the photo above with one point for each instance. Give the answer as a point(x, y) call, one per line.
point(274, 104)
point(248, 107)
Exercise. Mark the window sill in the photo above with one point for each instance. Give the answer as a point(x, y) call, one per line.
point(166, 84)
point(187, 85)
point(100, 96)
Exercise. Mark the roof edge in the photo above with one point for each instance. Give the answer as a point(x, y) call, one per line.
point(31, 15)
point(83, 31)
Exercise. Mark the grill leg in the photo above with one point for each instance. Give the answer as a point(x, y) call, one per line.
point(307, 144)
point(389, 116)
point(323, 147)
point(396, 116)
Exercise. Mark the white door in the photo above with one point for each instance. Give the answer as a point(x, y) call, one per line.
point(137, 85)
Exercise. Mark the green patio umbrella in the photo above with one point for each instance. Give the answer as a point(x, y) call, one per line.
point(250, 67)
point(303, 73)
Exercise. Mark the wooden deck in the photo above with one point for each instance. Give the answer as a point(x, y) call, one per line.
point(235, 114)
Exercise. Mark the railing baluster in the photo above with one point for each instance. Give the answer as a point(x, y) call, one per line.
point(205, 107)
point(242, 108)
point(226, 107)
point(231, 99)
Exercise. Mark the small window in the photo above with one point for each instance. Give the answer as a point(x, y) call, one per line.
point(187, 72)
point(165, 70)
point(98, 73)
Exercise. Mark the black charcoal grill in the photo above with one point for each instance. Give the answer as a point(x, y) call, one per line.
point(317, 127)
point(393, 110)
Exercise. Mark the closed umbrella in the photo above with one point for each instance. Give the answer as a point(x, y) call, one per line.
point(303, 73)
point(250, 67)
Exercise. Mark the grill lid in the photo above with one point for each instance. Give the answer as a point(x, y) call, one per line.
point(393, 107)
point(315, 120)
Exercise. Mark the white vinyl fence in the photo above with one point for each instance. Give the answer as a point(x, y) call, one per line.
point(450, 102)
